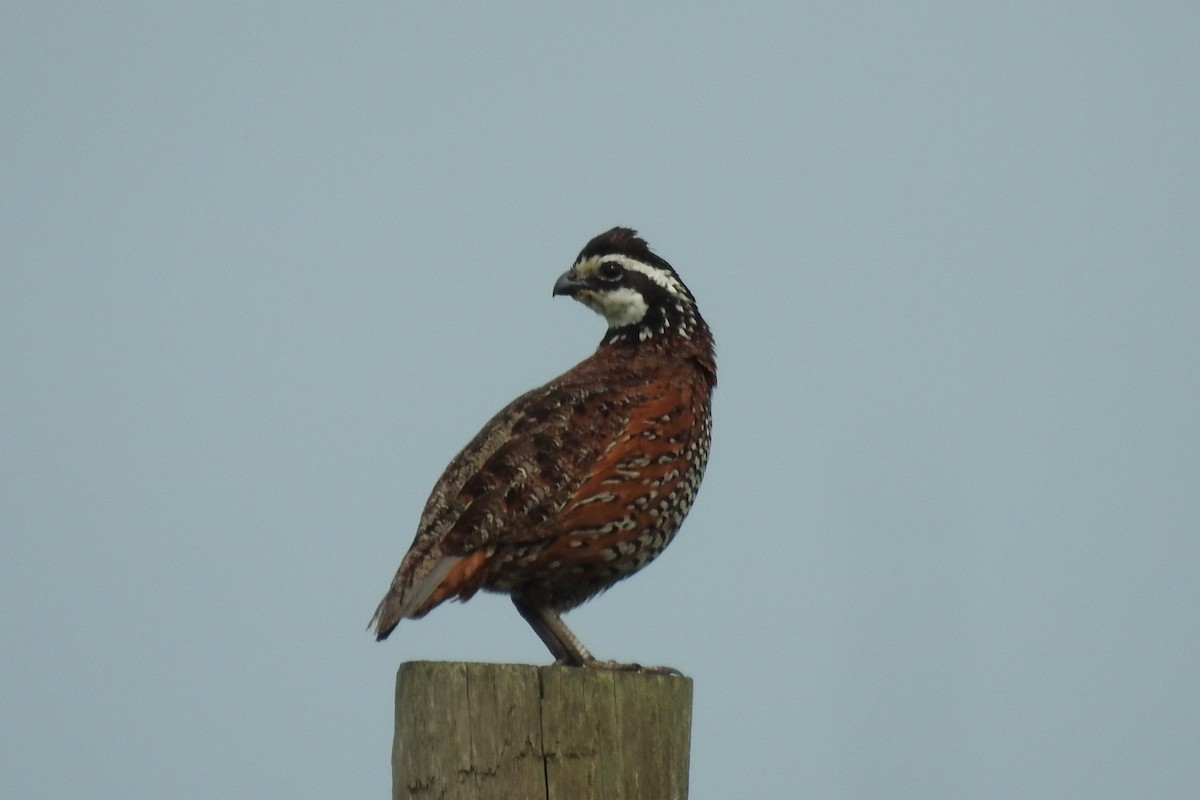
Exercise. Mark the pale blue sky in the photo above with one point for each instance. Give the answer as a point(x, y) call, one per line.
point(267, 266)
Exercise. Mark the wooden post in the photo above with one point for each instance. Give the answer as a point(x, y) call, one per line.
point(512, 731)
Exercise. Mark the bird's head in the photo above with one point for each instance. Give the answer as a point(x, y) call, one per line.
point(636, 291)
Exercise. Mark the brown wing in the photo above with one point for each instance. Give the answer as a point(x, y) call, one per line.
point(518, 472)
point(628, 508)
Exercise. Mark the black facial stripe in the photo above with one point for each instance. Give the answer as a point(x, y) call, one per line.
point(654, 294)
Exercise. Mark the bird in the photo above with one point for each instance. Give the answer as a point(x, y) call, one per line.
point(582, 482)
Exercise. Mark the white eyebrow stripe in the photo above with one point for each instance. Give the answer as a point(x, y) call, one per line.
point(660, 276)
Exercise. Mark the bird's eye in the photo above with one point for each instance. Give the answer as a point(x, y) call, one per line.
point(610, 271)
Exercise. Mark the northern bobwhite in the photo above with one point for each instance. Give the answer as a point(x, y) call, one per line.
point(582, 482)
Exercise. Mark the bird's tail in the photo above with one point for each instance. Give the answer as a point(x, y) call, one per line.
point(419, 587)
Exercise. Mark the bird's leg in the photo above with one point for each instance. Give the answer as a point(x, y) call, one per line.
point(565, 646)
point(554, 633)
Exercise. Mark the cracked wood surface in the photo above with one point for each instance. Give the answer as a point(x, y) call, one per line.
point(467, 731)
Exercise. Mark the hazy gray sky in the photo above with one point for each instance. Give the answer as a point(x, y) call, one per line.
point(267, 266)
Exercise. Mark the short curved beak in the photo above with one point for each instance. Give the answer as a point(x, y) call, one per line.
point(568, 283)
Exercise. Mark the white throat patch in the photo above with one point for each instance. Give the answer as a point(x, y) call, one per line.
point(619, 307)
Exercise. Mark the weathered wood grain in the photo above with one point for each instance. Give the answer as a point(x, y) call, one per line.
point(482, 731)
